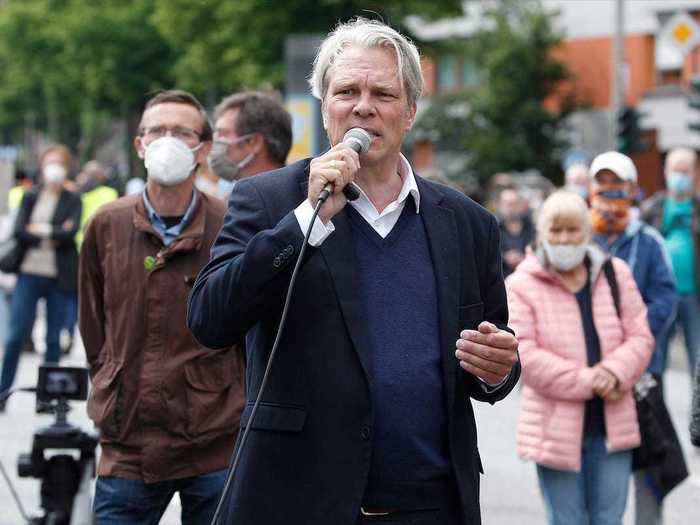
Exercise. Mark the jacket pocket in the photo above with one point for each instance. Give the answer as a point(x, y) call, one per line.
point(104, 406)
point(470, 316)
point(213, 392)
point(277, 417)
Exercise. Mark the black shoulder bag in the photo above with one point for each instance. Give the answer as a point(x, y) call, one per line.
point(655, 424)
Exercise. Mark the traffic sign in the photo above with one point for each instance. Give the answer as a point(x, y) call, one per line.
point(682, 32)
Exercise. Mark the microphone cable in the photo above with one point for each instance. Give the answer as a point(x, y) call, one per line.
point(239, 449)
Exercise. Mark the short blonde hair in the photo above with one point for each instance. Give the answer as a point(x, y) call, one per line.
point(677, 154)
point(562, 203)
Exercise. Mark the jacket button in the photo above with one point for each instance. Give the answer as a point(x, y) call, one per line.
point(365, 433)
point(277, 262)
point(289, 250)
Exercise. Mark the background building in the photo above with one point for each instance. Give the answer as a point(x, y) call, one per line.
point(655, 72)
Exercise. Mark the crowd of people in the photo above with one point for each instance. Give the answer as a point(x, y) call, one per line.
point(596, 293)
point(412, 300)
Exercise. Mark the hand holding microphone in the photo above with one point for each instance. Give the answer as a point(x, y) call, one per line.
point(331, 174)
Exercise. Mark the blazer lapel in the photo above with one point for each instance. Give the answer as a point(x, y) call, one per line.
point(441, 229)
point(337, 252)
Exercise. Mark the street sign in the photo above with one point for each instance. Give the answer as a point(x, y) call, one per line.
point(303, 109)
point(682, 32)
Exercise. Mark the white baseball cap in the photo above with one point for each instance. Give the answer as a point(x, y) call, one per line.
point(621, 165)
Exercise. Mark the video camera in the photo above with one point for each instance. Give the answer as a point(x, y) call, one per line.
point(62, 382)
point(65, 479)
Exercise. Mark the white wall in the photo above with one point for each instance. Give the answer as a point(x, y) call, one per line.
point(577, 18)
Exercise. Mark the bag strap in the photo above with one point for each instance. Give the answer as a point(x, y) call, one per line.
point(609, 272)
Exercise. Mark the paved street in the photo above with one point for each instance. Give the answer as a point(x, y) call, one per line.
point(509, 488)
point(16, 428)
point(510, 494)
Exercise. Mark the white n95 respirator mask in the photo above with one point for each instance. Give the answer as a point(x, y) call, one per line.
point(169, 161)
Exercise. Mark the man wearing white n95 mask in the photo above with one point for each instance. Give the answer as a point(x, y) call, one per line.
point(398, 316)
point(167, 411)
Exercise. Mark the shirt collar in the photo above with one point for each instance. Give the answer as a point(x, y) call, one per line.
point(157, 220)
point(409, 182)
point(409, 186)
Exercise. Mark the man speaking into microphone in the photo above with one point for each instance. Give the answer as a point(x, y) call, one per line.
point(398, 316)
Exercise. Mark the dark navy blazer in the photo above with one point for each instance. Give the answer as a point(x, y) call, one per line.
point(308, 454)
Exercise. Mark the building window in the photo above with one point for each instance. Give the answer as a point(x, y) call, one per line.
point(470, 75)
point(447, 74)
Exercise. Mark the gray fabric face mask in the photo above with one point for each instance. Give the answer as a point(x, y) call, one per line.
point(223, 167)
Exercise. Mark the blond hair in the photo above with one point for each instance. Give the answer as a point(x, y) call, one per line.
point(562, 203)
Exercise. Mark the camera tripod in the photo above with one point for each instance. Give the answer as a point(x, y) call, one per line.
point(65, 480)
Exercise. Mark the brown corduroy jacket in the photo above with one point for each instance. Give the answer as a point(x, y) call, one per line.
point(166, 407)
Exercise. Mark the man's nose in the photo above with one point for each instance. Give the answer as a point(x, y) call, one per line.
point(364, 106)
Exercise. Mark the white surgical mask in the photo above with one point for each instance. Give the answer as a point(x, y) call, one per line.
point(54, 173)
point(169, 161)
point(565, 257)
point(679, 182)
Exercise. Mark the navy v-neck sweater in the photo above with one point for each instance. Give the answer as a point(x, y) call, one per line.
point(396, 283)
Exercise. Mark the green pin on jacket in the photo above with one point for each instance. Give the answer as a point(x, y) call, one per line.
point(149, 263)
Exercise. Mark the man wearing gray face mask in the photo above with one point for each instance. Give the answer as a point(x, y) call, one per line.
point(252, 134)
point(167, 409)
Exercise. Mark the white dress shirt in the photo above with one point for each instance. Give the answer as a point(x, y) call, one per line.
point(382, 222)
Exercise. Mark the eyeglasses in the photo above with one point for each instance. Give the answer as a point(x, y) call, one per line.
point(232, 142)
point(186, 135)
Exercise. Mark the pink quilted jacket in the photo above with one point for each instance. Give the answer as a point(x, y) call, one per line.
point(555, 375)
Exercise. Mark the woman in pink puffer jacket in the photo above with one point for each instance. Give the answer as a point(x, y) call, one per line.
point(580, 361)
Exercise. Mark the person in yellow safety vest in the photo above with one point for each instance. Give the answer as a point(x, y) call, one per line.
point(14, 196)
point(94, 193)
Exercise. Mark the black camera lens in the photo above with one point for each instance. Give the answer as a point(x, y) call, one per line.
point(24, 466)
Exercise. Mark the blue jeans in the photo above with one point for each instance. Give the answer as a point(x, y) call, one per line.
point(29, 289)
point(688, 317)
point(595, 496)
point(120, 501)
point(71, 314)
point(4, 314)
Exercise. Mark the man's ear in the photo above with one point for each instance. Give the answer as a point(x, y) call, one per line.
point(202, 153)
point(324, 116)
point(411, 115)
point(258, 142)
point(139, 147)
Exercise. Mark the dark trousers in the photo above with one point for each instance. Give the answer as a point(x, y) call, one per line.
point(28, 291)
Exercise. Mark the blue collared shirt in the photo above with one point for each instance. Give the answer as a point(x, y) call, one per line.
point(168, 235)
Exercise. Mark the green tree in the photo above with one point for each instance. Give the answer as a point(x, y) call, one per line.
point(502, 123)
point(225, 45)
point(72, 67)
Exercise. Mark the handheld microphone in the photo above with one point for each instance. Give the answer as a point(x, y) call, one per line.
point(359, 141)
